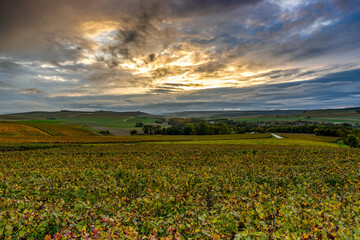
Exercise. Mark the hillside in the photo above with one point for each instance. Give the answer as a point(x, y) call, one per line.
point(121, 123)
point(68, 114)
point(118, 123)
point(326, 113)
point(229, 114)
point(346, 112)
point(20, 129)
point(15, 129)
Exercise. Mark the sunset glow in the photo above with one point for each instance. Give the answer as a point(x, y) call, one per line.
point(81, 53)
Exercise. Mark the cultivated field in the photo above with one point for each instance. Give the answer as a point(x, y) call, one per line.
point(335, 119)
point(37, 129)
point(241, 186)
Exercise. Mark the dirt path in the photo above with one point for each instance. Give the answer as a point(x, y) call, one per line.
point(277, 136)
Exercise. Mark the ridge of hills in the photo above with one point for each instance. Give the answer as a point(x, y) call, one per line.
point(344, 112)
point(69, 114)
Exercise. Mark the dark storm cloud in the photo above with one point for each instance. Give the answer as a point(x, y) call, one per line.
point(318, 29)
point(21, 21)
point(135, 37)
point(209, 67)
point(204, 7)
point(31, 91)
point(340, 37)
point(52, 27)
point(272, 37)
point(3, 84)
point(8, 66)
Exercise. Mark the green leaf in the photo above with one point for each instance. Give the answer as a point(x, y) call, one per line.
point(22, 233)
point(237, 236)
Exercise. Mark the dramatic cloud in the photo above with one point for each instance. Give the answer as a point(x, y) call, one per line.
point(178, 54)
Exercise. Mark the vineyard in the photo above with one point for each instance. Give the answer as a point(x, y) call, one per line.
point(178, 187)
point(10, 129)
point(30, 129)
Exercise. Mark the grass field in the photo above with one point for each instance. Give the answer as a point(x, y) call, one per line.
point(115, 122)
point(42, 121)
point(121, 125)
point(239, 186)
point(339, 119)
point(120, 122)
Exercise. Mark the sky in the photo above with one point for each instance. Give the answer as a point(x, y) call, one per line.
point(161, 56)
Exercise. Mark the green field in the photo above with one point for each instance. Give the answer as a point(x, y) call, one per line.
point(116, 125)
point(43, 121)
point(118, 122)
point(274, 119)
point(123, 122)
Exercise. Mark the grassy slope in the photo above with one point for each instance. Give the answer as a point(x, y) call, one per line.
point(123, 122)
point(115, 119)
point(116, 122)
point(120, 123)
point(347, 112)
point(349, 115)
point(14, 129)
point(28, 129)
point(271, 114)
point(69, 114)
point(62, 129)
point(330, 119)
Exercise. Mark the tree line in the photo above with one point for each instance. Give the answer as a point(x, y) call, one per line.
point(180, 126)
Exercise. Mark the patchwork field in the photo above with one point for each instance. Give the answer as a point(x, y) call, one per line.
point(120, 125)
point(28, 129)
point(116, 123)
point(240, 186)
point(333, 119)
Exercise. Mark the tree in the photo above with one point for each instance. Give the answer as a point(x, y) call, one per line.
point(203, 129)
point(105, 132)
point(139, 124)
point(352, 141)
point(133, 132)
point(160, 121)
point(189, 129)
point(151, 130)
